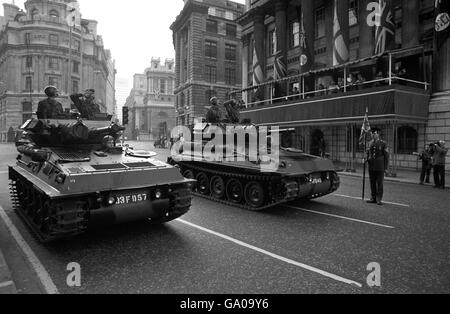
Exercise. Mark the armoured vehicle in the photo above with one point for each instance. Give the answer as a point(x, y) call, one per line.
point(246, 182)
point(70, 176)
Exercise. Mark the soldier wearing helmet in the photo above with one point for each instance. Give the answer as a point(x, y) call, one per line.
point(50, 108)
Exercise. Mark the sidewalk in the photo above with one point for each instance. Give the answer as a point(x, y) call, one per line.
point(402, 175)
point(7, 285)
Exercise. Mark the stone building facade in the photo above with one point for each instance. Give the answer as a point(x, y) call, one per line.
point(152, 102)
point(208, 55)
point(411, 109)
point(34, 53)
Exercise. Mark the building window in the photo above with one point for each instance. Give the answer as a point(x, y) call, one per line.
point(53, 81)
point(320, 22)
point(76, 67)
point(229, 15)
point(211, 26)
point(230, 76)
point(210, 49)
point(210, 73)
point(294, 34)
point(27, 38)
point(28, 83)
point(29, 62)
point(353, 12)
point(163, 86)
point(54, 14)
point(407, 140)
point(272, 43)
point(53, 64)
point(75, 86)
point(230, 52)
point(34, 14)
point(77, 46)
point(220, 13)
point(54, 40)
point(231, 30)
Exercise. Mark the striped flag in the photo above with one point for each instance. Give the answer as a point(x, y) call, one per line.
point(258, 76)
point(385, 27)
point(365, 128)
point(340, 49)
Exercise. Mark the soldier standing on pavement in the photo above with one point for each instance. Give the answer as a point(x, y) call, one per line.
point(378, 159)
point(49, 108)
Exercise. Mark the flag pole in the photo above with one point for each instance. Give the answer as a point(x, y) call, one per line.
point(364, 170)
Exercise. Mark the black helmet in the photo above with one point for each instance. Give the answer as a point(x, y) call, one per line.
point(51, 91)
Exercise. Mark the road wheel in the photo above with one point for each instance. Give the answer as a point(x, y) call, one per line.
point(254, 195)
point(189, 174)
point(235, 191)
point(203, 183)
point(217, 187)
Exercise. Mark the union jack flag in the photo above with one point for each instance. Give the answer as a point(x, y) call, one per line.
point(385, 27)
point(280, 67)
point(258, 75)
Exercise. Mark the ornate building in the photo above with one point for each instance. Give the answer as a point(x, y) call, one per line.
point(317, 66)
point(35, 52)
point(208, 55)
point(152, 102)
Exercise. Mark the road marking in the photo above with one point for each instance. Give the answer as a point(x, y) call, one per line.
point(40, 270)
point(275, 256)
point(6, 284)
point(340, 217)
point(359, 198)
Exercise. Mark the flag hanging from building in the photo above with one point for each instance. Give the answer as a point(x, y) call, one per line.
point(305, 57)
point(279, 66)
point(258, 76)
point(442, 22)
point(365, 128)
point(385, 27)
point(340, 49)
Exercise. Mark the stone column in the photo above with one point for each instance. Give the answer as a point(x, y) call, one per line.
point(260, 46)
point(366, 32)
point(410, 23)
point(245, 51)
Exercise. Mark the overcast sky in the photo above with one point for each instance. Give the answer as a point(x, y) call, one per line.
point(134, 31)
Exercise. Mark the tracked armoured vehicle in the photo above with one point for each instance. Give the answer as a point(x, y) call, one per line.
point(70, 176)
point(245, 182)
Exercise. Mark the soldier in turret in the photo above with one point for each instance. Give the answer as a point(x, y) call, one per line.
point(86, 104)
point(232, 107)
point(214, 115)
point(49, 108)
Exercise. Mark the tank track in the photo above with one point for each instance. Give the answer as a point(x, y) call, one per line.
point(245, 177)
point(48, 219)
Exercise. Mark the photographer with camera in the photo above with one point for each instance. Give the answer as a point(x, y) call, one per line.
point(439, 152)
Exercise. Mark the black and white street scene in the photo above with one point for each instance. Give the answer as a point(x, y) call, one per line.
point(218, 147)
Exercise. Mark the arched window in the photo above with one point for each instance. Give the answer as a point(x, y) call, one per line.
point(54, 14)
point(34, 14)
point(407, 140)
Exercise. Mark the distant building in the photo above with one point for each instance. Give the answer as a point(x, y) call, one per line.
point(316, 66)
point(34, 53)
point(208, 55)
point(152, 102)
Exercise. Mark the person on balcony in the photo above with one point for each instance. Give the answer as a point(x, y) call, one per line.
point(351, 81)
point(333, 88)
point(360, 81)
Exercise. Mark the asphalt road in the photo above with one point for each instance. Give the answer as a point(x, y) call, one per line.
point(323, 246)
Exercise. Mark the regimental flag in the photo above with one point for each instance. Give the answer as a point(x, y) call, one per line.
point(279, 66)
point(340, 50)
point(442, 22)
point(258, 75)
point(305, 57)
point(365, 128)
point(385, 27)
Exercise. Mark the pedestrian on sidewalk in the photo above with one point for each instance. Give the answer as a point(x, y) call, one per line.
point(427, 164)
point(378, 159)
point(439, 155)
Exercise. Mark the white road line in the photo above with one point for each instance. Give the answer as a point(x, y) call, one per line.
point(359, 198)
point(6, 284)
point(275, 256)
point(40, 270)
point(340, 217)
